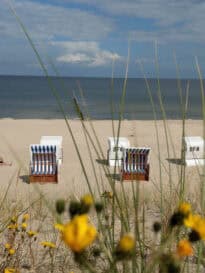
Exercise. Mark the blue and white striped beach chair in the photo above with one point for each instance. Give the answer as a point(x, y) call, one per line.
point(135, 163)
point(43, 164)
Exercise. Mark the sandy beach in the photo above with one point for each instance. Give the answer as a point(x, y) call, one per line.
point(17, 135)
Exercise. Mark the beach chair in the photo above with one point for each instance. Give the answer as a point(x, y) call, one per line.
point(57, 141)
point(43, 163)
point(193, 150)
point(135, 164)
point(115, 151)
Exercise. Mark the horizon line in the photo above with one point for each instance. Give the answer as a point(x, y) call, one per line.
point(97, 77)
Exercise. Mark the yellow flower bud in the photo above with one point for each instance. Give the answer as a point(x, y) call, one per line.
point(24, 226)
point(87, 199)
point(25, 217)
point(126, 243)
point(7, 246)
point(31, 233)
point(48, 244)
point(13, 226)
point(12, 251)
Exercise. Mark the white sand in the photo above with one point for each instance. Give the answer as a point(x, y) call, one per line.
point(17, 135)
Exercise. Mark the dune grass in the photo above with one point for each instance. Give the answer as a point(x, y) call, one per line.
point(124, 235)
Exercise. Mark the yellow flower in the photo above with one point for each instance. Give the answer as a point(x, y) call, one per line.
point(12, 251)
point(31, 233)
point(184, 248)
point(126, 243)
point(197, 224)
point(87, 199)
point(184, 208)
point(12, 226)
point(10, 270)
point(59, 227)
point(200, 228)
point(25, 217)
point(7, 246)
point(48, 244)
point(24, 226)
point(192, 220)
point(79, 233)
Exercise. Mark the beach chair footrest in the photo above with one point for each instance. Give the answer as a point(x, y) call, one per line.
point(51, 178)
point(136, 176)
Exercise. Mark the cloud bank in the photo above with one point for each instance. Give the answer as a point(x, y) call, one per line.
point(86, 53)
point(86, 35)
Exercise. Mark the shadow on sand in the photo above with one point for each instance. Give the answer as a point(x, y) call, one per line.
point(177, 161)
point(25, 179)
point(102, 161)
point(114, 176)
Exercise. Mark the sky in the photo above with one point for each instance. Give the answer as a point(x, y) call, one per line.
point(92, 38)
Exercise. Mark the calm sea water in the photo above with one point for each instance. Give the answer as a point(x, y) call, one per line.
point(31, 97)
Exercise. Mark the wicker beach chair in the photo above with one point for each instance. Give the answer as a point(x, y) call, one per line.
point(43, 163)
point(135, 164)
point(57, 141)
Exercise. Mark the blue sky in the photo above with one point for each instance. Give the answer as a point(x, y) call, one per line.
point(84, 37)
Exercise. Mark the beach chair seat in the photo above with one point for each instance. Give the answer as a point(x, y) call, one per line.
point(135, 164)
point(43, 163)
point(115, 151)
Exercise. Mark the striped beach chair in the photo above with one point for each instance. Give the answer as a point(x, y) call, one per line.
point(57, 141)
point(135, 164)
point(43, 163)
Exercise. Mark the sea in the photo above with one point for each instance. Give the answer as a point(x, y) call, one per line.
point(35, 97)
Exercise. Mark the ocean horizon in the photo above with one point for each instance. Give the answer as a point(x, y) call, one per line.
point(30, 97)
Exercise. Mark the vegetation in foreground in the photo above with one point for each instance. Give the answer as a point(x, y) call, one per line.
point(106, 233)
point(85, 236)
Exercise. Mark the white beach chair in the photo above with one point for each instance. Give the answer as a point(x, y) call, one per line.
point(115, 151)
point(193, 150)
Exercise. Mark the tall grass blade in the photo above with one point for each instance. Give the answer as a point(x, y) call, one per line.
point(52, 88)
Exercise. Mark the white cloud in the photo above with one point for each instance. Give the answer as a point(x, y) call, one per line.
point(163, 10)
point(74, 58)
point(169, 20)
point(87, 53)
point(46, 21)
point(88, 27)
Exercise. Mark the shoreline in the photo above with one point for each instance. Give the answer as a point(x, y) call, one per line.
point(109, 120)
